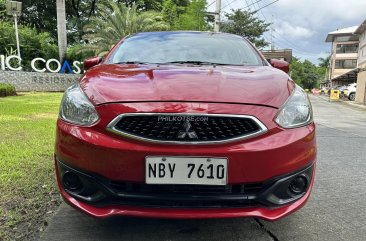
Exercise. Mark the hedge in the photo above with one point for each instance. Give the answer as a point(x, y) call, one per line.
point(7, 90)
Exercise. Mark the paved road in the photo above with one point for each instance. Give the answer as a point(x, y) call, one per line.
point(335, 211)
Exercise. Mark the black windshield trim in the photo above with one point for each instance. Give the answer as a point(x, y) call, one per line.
point(261, 60)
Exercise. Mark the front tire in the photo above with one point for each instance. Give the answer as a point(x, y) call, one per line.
point(352, 96)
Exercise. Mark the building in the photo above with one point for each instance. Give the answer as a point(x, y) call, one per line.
point(343, 56)
point(361, 77)
point(281, 54)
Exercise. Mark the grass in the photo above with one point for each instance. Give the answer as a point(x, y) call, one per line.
point(28, 190)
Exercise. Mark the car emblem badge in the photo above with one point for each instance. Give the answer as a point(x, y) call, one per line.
point(187, 132)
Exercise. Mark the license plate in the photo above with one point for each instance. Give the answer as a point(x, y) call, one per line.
point(186, 170)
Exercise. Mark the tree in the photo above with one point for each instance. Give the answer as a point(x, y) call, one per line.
point(78, 14)
point(170, 13)
point(32, 43)
point(324, 62)
point(310, 76)
point(114, 21)
point(3, 16)
point(186, 15)
point(305, 73)
point(147, 5)
point(61, 29)
point(246, 24)
point(40, 14)
point(194, 18)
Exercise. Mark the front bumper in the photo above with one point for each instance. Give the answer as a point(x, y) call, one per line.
point(105, 158)
point(101, 192)
point(102, 198)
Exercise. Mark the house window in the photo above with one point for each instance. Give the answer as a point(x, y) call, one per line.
point(345, 63)
point(347, 48)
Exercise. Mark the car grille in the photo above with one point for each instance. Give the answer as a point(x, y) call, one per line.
point(127, 187)
point(187, 128)
point(186, 196)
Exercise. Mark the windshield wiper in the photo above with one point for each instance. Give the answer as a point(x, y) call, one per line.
point(179, 62)
point(133, 62)
point(197, 63)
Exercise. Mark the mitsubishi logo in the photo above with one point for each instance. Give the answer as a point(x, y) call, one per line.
point(187, 132)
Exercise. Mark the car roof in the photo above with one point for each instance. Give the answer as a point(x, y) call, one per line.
point(208, 33)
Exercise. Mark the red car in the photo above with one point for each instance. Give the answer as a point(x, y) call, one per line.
point(185, 125)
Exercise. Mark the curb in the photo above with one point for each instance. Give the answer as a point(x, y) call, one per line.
point(355, 105)
point(349, 103)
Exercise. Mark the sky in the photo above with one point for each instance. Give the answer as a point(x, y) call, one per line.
point(302, 25)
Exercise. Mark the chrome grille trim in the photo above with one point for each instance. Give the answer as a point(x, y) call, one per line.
point(112, 128)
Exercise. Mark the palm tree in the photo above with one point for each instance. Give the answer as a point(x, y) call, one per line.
point(324, 62)
point(61, 29)
point(114, 21)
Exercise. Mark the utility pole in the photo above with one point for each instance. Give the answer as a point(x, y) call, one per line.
point(271, 32)
point(272, 43)
point(217, 16)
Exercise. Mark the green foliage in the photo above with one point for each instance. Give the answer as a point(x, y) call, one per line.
point(186, 15)
point(40, 14)
point(92, 22)
point(324, 67)
point(170, 13)
point(305, 73)
point(323, 72)
point(32, 43)
point(147, 5)
point(105, 29)
point(2, 10)
point(194, 18)
point(324, 62)
point(79, 52)
point(78, 14)
point(7, 90)
point(246, 24)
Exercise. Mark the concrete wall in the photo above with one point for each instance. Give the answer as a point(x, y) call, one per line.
point(346, 56)
point(362, 50)
point(361, 85)
point(361, 77)
point(33, 81)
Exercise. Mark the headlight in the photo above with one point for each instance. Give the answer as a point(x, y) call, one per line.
point(76, 108)
point(296, 111)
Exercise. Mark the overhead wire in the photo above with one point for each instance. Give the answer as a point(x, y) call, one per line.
point(228, 4)
point(211, 4)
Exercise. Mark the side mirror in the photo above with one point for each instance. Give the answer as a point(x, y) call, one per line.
point(91, 62)
point(280, 64)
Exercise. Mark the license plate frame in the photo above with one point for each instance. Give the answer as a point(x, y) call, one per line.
point(188, 170)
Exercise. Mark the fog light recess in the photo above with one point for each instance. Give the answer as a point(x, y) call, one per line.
point(298, 185)
point(71, 182)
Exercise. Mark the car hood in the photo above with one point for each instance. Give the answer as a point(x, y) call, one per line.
point(259, 85)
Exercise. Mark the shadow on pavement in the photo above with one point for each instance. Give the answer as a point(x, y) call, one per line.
point(69, 224)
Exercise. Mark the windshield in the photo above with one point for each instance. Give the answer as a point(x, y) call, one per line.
point(183, 47)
